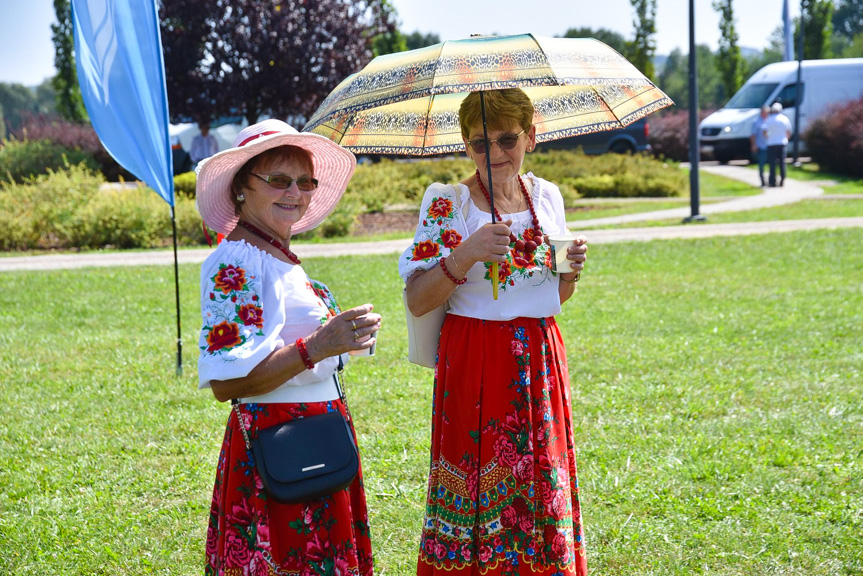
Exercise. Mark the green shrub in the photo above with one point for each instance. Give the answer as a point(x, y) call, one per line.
point(71, 209)
point(20, 160)
point(184, 184)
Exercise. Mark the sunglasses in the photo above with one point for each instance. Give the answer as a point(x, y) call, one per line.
point(506, 142)
point(304, 183)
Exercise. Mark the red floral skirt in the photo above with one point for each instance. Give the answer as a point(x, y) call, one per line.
point(503, 492)
point(251, 535)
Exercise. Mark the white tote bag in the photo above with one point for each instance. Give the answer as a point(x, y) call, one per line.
point(424, 333)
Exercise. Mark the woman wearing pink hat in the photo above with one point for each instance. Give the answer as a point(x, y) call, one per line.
point(272, 341)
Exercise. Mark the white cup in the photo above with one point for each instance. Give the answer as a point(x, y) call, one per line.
point(559, 245)
point(370, 351)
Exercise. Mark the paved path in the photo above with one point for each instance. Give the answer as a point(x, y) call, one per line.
point(793, 191)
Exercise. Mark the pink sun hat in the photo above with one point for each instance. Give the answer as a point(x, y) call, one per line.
point(333, 167)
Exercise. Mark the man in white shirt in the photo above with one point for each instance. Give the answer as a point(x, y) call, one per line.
point(778, 128)
point(204, 144)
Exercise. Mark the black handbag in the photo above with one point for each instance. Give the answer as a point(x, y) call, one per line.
point(305, 459)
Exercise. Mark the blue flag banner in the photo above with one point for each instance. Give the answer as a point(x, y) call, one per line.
point(118, 51)
point(786, 22)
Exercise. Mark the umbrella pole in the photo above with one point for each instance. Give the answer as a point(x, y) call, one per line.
point(495, 267)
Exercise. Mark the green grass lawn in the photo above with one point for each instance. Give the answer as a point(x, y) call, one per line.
point(714, 185)
point(803, 210)
point(717, 405)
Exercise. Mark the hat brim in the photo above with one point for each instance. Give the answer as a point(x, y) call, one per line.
point(333, 167)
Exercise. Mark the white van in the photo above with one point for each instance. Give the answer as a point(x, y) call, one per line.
point(724, 135)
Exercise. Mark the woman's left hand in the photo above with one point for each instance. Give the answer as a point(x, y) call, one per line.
point(577, 254)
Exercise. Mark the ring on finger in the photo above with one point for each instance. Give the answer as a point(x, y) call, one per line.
point(356, 335)
point(354, 325)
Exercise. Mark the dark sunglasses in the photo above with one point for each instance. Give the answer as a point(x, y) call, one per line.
point(506, 142)
point(304, 183)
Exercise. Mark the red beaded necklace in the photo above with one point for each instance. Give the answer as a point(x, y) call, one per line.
point(264, 236)
point(528, 246)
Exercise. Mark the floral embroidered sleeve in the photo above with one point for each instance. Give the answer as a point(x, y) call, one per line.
point(441, 228)
point(240, 327)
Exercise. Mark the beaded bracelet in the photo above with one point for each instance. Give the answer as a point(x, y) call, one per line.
point(574, 280)
point(304, 354)
point(449, 275)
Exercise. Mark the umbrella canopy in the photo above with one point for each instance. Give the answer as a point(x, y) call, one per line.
point(407, 103)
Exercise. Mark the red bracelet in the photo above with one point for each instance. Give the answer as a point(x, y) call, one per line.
point(304, 354)
point(449, 275)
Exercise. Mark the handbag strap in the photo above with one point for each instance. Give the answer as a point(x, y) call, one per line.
point(337, 377)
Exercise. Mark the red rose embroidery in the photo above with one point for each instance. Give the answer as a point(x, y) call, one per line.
point(425, 250)
point(559, 548)
point(251, 315)
point(530, 234)
point(505, 450)
point(516, 348)
point(440, 208)
point(522, 259)
point(508, 517)
point(450, 238)
point(223, 335)
point(504, 272)
point(230, 278)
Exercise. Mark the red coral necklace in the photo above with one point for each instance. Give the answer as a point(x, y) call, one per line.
point(528, 246)
point(264, 236)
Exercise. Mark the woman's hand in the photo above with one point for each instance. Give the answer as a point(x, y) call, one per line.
point(488, 244)
point(341, 333)
point(576, 254)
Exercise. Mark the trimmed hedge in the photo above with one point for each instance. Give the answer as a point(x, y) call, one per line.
point(835, 140)
point(20, 160)
point(669, 134)
point(71, 209)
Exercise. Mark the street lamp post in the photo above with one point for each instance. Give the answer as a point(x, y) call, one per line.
point(799, 97)
point(694, 149)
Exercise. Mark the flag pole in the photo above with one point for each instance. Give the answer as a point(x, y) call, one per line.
point(177, 295)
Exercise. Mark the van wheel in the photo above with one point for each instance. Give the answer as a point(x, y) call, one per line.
point(723, 158)
point(622, 148)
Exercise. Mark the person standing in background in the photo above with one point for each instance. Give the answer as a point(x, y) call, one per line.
point(778, 128)
point(204, 144)
point(758, 140)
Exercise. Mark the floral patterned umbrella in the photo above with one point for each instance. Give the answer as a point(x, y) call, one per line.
point(407, 103)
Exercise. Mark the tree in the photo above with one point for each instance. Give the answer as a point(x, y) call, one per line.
point(817, 29)
point(391, 41)
point(70, 104)
point(641, 49)
point(17, 102)
point(417, 39)
point(674, 79)
point(249, 58)
point(729, 61)
point(613, 39)
point(848, 18)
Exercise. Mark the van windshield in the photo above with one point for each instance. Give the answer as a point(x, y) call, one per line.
point(751, 96)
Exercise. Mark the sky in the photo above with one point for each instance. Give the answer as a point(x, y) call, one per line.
point(27, 53)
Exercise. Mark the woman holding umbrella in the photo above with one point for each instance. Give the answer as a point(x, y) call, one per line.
point(503, 492)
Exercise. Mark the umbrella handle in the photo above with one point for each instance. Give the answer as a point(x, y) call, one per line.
point(495, 271)
point(495, 267)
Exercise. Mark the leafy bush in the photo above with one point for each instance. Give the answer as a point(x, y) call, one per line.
point(73, 137)
point(20, 160)
point(835, 140)
point(72, 209)
point(184, 184)
point(669, 134)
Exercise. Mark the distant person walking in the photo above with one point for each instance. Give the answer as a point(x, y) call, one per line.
point(204, 144)
point(758, 140)
point(778, 128)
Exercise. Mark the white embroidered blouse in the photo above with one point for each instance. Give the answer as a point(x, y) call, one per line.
point(527, 286)
point(253, 304)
